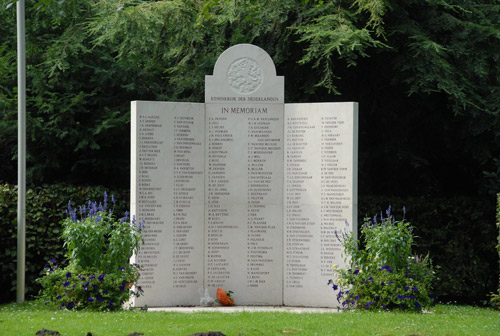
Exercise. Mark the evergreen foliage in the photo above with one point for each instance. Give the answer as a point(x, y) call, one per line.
point(425, 72)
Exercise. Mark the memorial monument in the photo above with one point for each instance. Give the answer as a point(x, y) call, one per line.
point(243, 192)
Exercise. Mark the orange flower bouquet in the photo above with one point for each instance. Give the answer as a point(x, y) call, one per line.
point(224, 297)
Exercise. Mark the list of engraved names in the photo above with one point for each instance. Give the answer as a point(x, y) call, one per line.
point(244, 209)
point(186, 186)
point(149, 147)
point(318, 199)
point(169, 197)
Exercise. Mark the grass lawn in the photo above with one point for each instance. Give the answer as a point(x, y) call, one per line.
point(26, 319)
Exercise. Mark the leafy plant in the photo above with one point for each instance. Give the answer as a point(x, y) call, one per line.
point(383, 273)
point(98, 249)
point(97, 240)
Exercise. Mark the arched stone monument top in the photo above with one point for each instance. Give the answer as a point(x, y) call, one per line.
point(244, 73)
point(245, 51)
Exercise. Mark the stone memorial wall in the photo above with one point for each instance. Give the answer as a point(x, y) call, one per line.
point(243, 192)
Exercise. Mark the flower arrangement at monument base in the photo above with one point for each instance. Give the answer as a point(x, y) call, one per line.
point(224, 297)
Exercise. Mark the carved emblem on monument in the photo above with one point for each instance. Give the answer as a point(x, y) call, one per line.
point(244, 76)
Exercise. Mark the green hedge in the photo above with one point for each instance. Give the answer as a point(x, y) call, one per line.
point(498, 224)
point(498, 249)
point(458, 232)
point(45, 207)
point(460, 235)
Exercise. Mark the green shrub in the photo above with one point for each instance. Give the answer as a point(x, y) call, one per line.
point(45, 207)
point(383, 273)
point(99, 247)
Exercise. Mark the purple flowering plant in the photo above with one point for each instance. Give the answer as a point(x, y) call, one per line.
point(99, 274)
point(85, 290)
point(95, 239)
point(382, 271)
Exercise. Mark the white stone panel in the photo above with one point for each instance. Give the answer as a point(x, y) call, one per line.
point(244, 183)
point(167, 191)
point(320, 193)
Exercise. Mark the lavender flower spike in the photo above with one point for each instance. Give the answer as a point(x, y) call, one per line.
point(105, 200)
